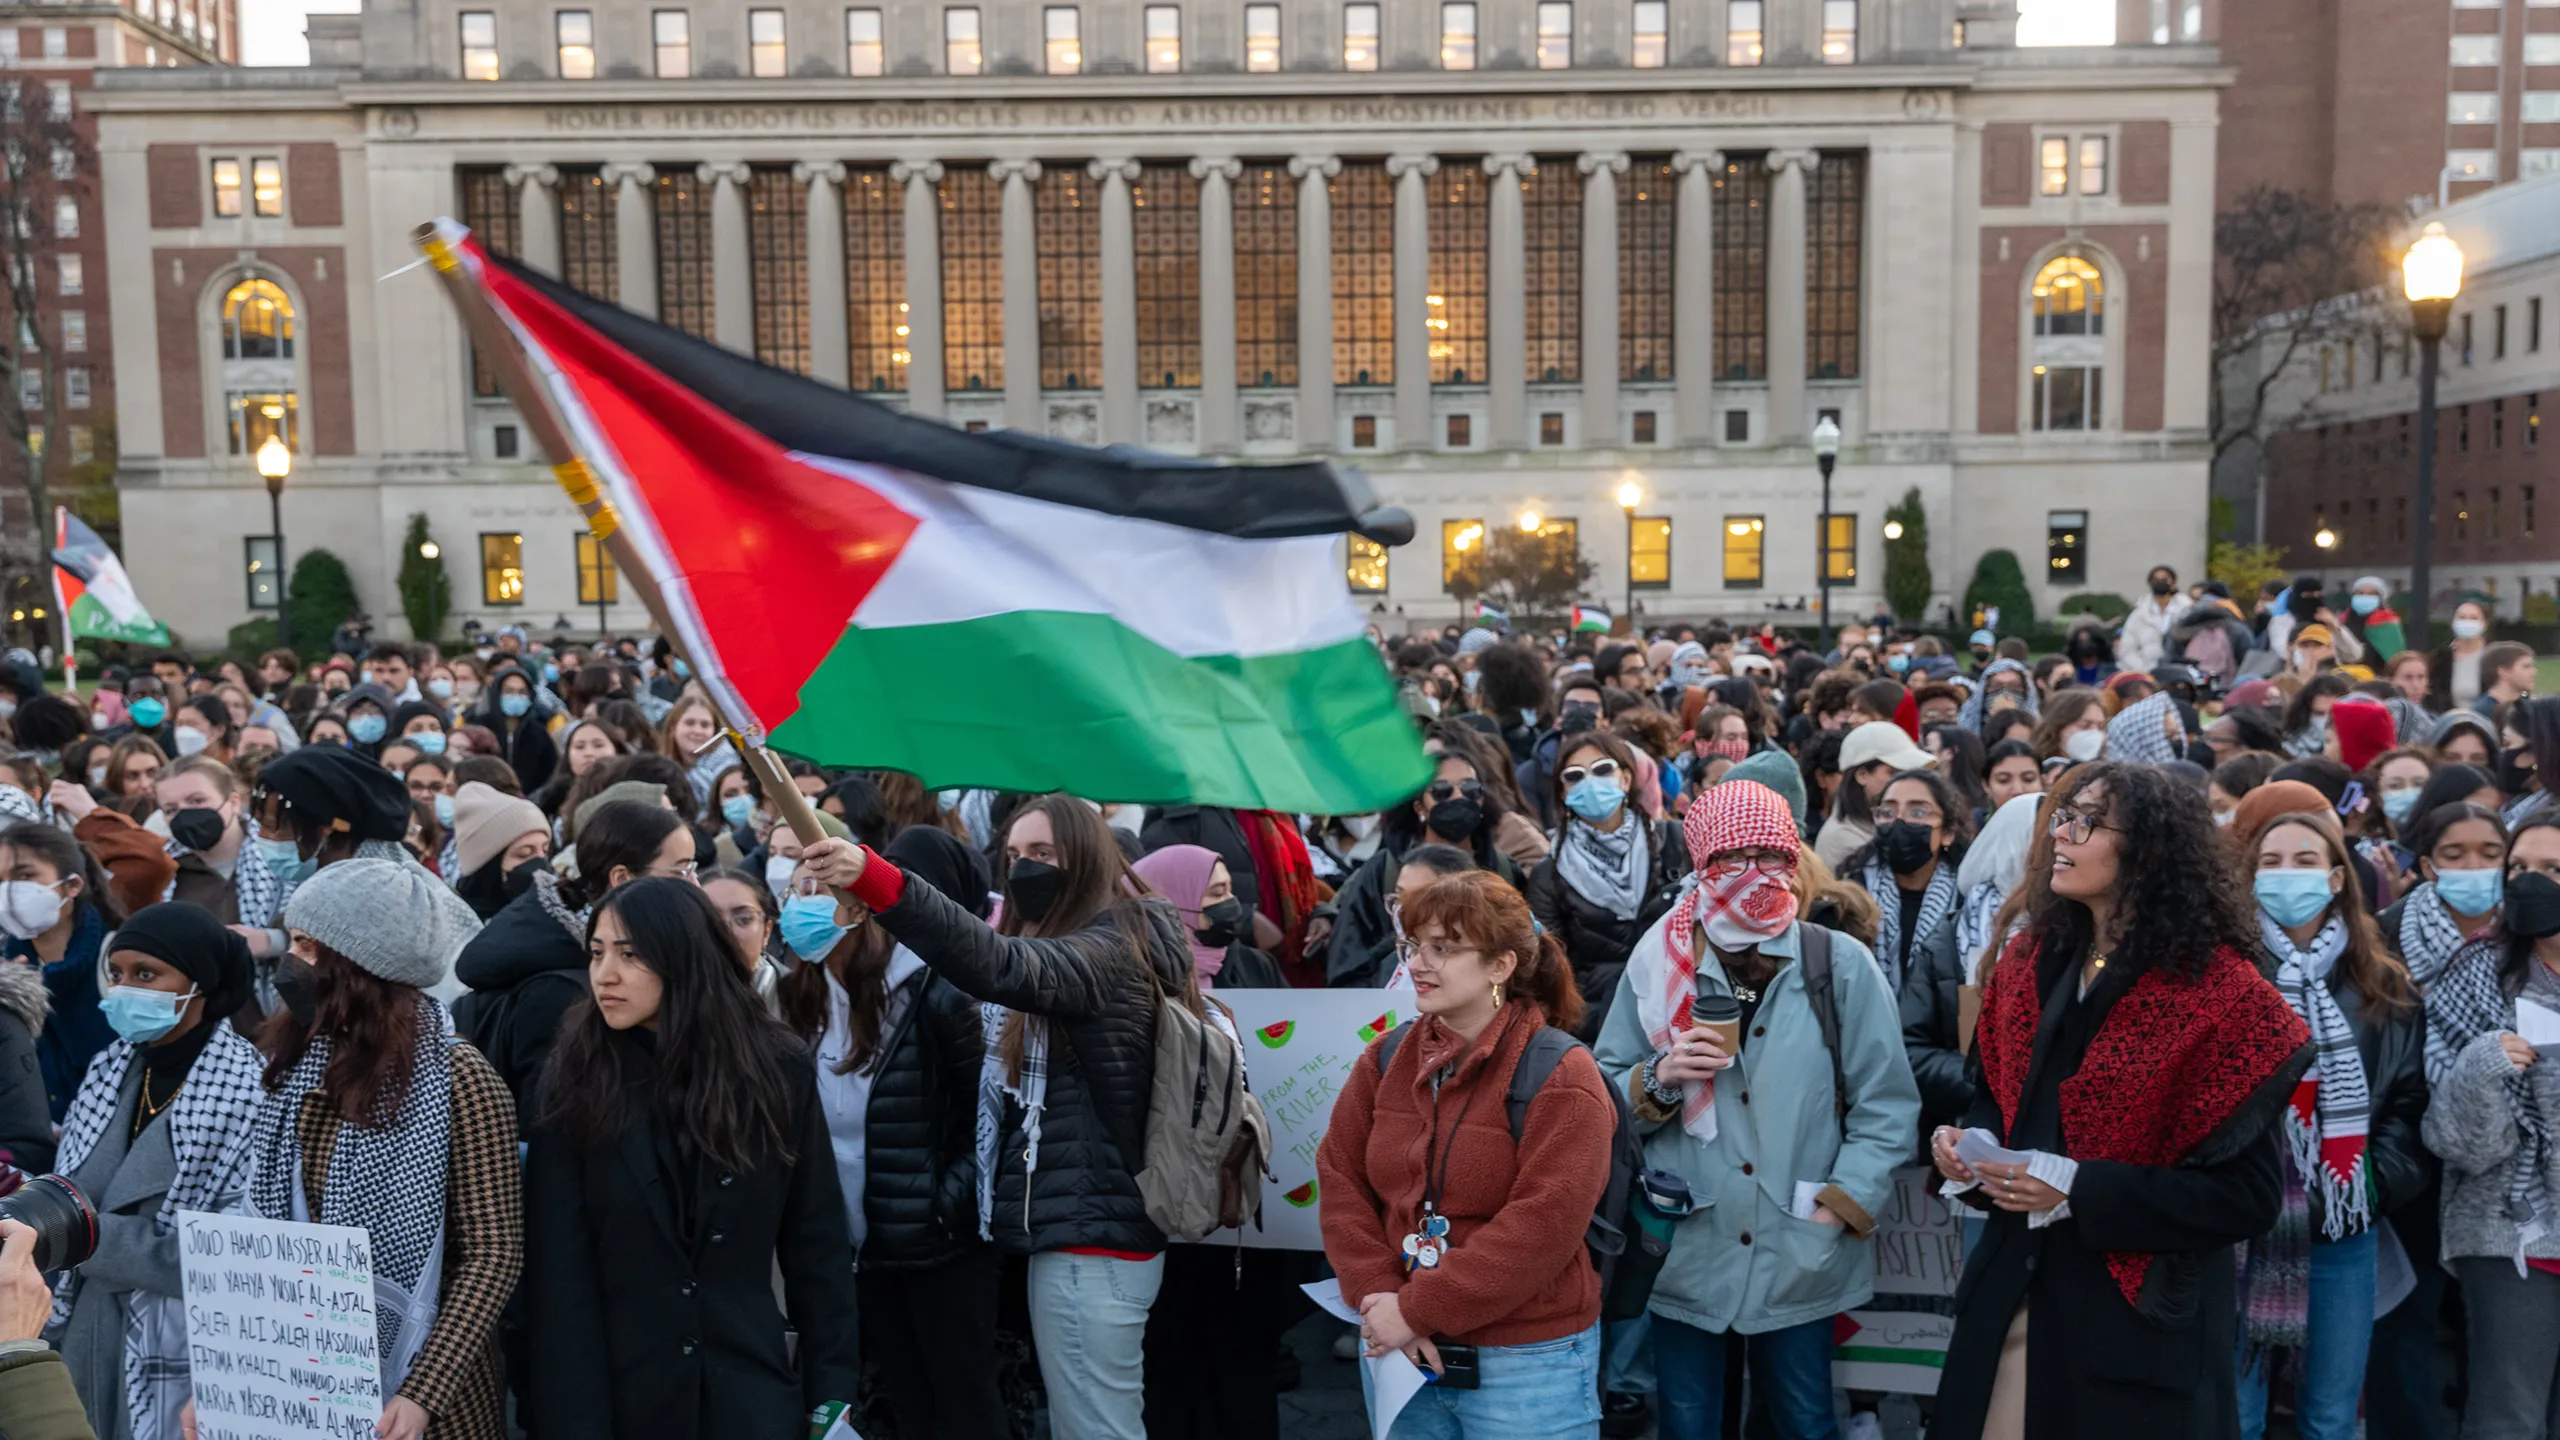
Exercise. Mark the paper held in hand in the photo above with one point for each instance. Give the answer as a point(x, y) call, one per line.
point(280, 1328)
point(1977, 1145)
point(2539, 1025)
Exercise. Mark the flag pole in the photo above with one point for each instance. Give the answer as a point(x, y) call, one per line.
point(500, 351)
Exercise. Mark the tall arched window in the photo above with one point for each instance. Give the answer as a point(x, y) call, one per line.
point(2069, 306)
point(258, 389)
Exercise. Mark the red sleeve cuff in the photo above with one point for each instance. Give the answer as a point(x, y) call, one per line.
point(881, 884)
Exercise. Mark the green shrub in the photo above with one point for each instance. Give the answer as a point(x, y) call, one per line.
point(323, 596)
point(1999, 583)
point(248, 640)
point(2106, 605)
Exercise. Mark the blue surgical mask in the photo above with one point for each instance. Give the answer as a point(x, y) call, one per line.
point(441, 689)
point(2293, 897)
point(141, 1016)
point(1595, 799)
point(284, 860)
point(2398, 803)
point(148, 712)
point(738, 809)
point(444, 811)
point(550, 674)
point(1897, 663)
point(2365, 604)
point(367, 729)
point(809, 926)
point(2471, 892)
point(683, 671)
point(514, 706)
point(430, 741)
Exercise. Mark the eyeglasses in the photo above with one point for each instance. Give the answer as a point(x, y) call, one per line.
point(1770, 861)
point(2075, 825)
point(1596, 770)
point(681, 870)
point(1919, 812)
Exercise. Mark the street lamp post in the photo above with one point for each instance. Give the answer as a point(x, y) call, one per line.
point(2431, 274)
point(1631, 495)
point(275, 462)
point(1826, 453)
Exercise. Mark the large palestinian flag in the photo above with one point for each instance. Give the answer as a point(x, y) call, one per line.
point(876, 589)
point(93, 592)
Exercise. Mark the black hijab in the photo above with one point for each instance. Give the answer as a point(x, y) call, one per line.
point(189, 940)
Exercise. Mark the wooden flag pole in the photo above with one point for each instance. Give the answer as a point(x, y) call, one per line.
point(500, 351)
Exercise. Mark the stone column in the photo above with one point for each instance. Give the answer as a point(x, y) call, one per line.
point(921, 245)
point(1219, 421)
point(1119, 302)
point(1506, 302)
point(733, 281)
point(827, 321)
point(1412, 299)
point(635, 235)
point(1315, 301)
point(537, 216)
point(1787, 280)
point(1021, 295)
point(1693, 297)
point(1600, 297)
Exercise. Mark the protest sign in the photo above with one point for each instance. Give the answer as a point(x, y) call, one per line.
point(1919, 1243)
point(1299, 1046)
point(1903, 1351)
point(280, 1328)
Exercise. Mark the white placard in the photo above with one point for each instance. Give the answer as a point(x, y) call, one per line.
point(1299, 1046)
point(280, 1328)
point(1919, 1239)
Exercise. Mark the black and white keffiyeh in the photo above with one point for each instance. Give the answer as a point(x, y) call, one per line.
point(2429, 935)
point(2332, 1111)
point(1608, 869)
point(1970, 715)
point(2139, 734)
point(1973, 927)
point(390, 1180)
point(1936, 904)
point(1031, 1092)
point(256, 892)
point(2466, 1004)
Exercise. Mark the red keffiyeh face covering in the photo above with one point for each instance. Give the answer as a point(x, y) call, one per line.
point(1741, 904)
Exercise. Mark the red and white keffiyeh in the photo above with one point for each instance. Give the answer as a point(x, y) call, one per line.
point(1737, 903)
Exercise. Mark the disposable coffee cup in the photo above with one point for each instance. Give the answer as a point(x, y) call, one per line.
point(1723, 1015)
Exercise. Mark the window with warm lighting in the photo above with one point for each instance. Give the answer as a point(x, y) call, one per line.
point(1555, 34)
point(2068, 304)
point(671, 39)
point(1364, 432)
point(2053, 165)
point(1262, 39)
point(863, 52)
point(1061, 29)
point(2066, 547)
point(266, 187)
point(1365, 567)
point(1840, 547)
point(961, 51)
point(258, 562)
point(1652, 30)
point(1460, 431)
point(479, 45)
point(226, 189)
point(1164, 39)
point(1742, 32)
point(1743, 535)
point(501, 568)
point(1551, 427)
point(1360, 37)
point(768, 45)
point(573, 35)
point(2471, 107)
point(252, 416)
point(1649, 552)
point(1839, 32)
point(2093, 164)
point(598, 582)
point(1457, 35)
point(1461, 541)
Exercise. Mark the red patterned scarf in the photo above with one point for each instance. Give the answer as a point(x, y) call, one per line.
point(1290, 890)
point(2173, 1060)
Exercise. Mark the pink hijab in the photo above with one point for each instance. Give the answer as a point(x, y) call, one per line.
point(1180, 873)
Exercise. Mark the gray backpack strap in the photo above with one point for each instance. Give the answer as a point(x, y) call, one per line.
point(1545, 1052)
point(1819, 993)
point(1387, 1047)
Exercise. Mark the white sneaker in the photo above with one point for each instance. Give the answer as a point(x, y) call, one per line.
point(1863, 1425)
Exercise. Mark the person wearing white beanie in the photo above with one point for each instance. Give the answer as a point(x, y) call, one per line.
point(494, 833)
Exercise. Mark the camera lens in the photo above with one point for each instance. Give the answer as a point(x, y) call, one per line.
point(66, 1224)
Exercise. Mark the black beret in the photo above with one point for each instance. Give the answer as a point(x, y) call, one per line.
point(341, 789)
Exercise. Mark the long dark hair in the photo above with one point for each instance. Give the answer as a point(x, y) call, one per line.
point(1967, 761)
point(372, 1025)
point(2297, 714)
point(725, 1069)
point(866, 949)
point(625, 833)
point(54, 846)
point(1094, 881)
point(2519, 953)
point(2538, 720)
point(2369, 965)
point(2182, 900)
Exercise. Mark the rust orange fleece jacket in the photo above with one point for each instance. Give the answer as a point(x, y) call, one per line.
point(1516, 1272)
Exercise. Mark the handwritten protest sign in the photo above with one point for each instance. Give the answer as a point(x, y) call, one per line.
point(1898, 1350)
point(280, 1328)
point(1298, 1049)
point(1919, 1244)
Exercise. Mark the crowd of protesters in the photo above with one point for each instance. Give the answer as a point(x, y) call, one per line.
point(2197, 961)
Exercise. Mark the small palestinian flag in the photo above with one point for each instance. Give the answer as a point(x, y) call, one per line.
point(1586, 618)
point(93, 592)
point(1491, 619)
point(878, 589)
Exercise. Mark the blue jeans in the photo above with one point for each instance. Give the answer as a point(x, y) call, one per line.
point(1546, 1391)
point(1791, 1367)
point(1089, 1319)
point(2341, 1315)
point(1626, 1356)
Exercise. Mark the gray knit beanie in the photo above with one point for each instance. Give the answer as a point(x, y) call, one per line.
point(391, 917)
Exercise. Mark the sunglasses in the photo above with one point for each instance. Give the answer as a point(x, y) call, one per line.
point(1443, 789)
point(1600, 769)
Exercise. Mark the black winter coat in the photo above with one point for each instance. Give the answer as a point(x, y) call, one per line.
point(26, 1121)
point(1362, 952)
point(1930, 1011)
point(920, 1177)
point(1596, 941)
point(525, 744)
point(525, 970)
point(643, 1328)
point(1214, 828)
point(1101, 1004)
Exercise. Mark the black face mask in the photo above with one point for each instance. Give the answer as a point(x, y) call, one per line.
point(293, 980)
point(2533, 905)
point(1032, 888)
point(2515, 777)
point(1220, 922)
point(1455, 819)
point(197, 829)
point(2163, 587)
point(1906, 845)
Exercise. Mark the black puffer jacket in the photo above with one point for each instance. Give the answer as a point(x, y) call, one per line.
point(1101, 1006)
point(1597, 941)
point(525, 970)
point(1930, 1010)
point(920, 1180)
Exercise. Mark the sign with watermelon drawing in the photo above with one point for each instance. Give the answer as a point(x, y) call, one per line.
point(1301, 1048)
